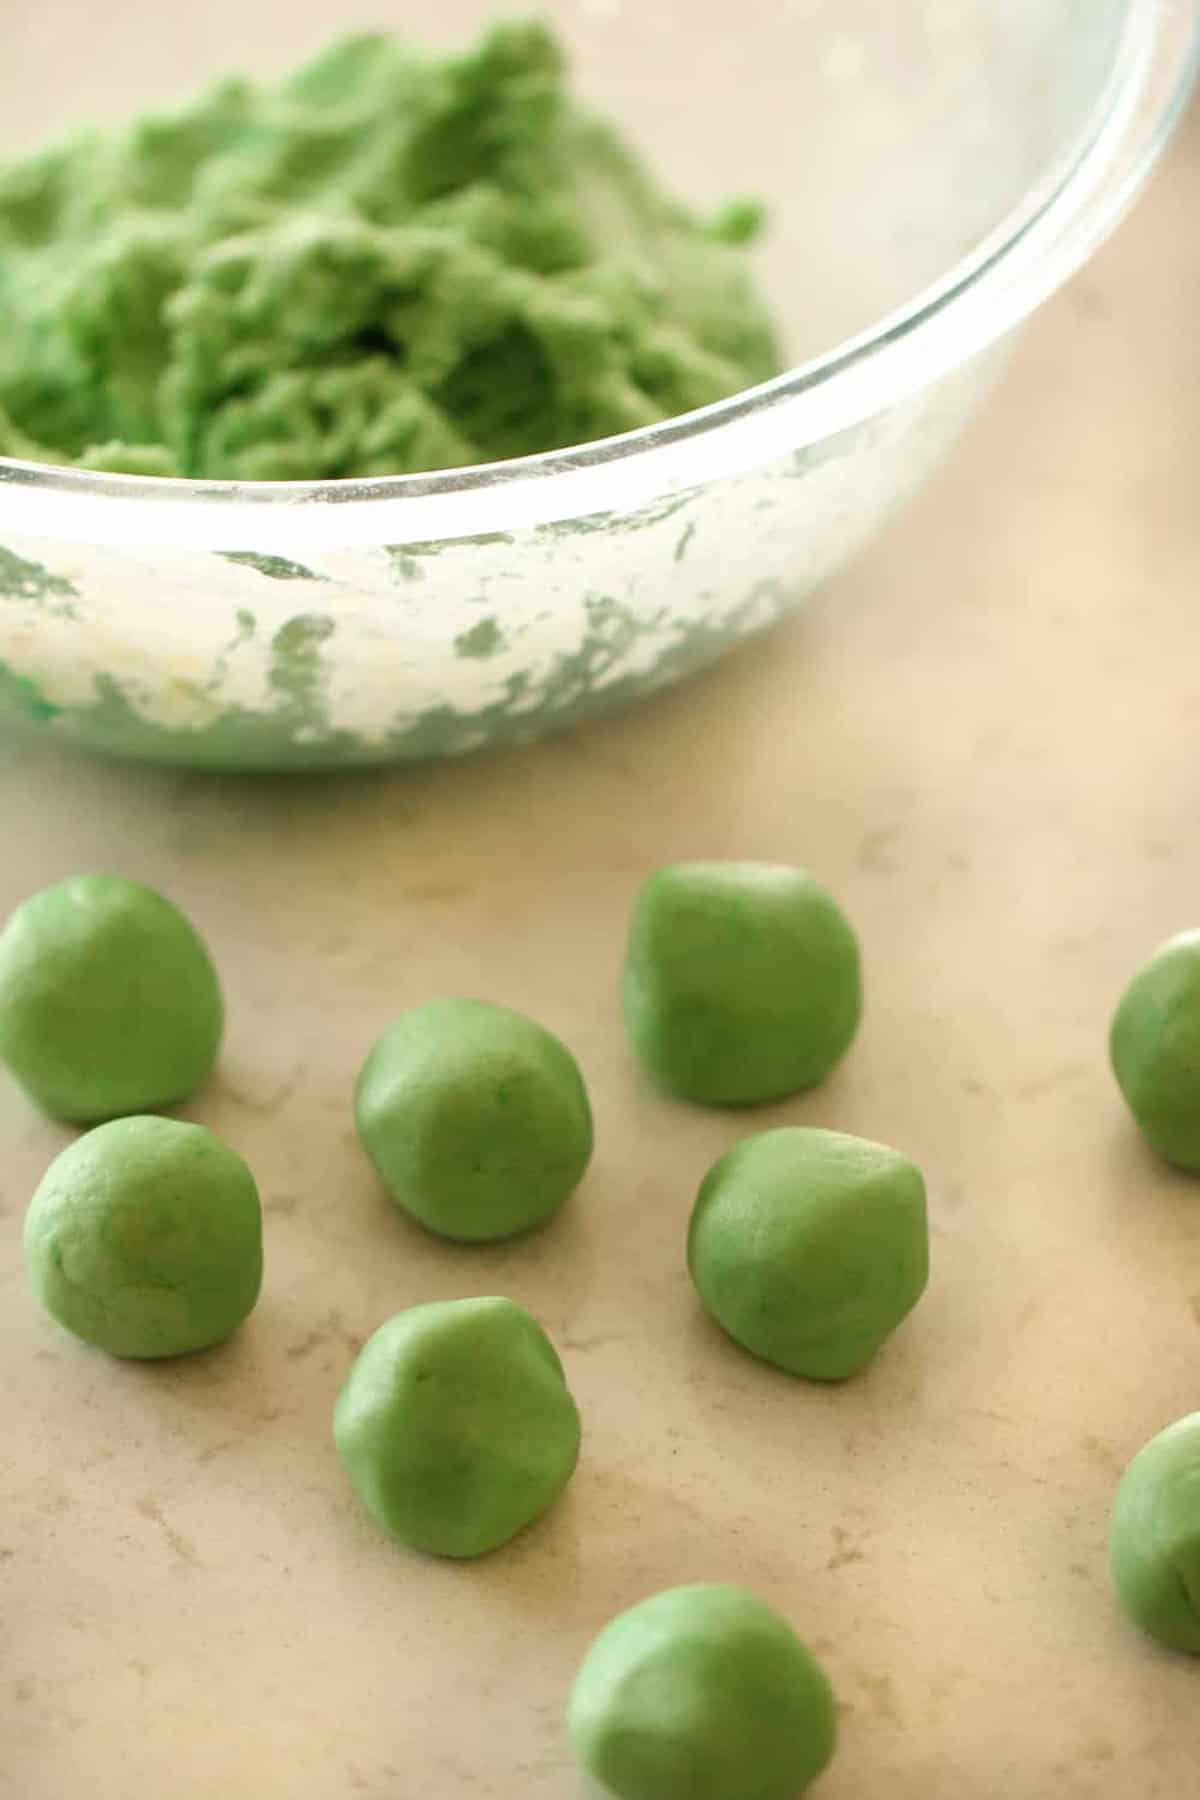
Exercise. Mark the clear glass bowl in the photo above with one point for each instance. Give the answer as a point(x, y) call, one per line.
point(935, 169)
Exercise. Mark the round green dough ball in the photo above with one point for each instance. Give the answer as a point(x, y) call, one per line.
point(742, 981)
point(109, 1002)
point(145, 1238)
point(476, 1118)
point(702, 1693)
point(1154, 1537)
point(456, 1425)
point(1155, 1049)
point(810, 1247)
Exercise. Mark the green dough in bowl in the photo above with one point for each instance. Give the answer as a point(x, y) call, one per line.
point(396, 261)
point(742, 981)
point(476, 1118)
point(456, 1425)
point(1155, 1049)
point(109, 1002)
point(702, 1693)
point(810, 1247)
point(1154, 1537)
point(145, 1238)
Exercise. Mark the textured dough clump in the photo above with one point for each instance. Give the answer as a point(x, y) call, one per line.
point(393, 262)
point(456, 1425)
point(145, 1238)
point(702, 1693)
point(109, 1002)
point(1155, 1049)
point(476, 1118)
point(1154, 1537)
point(810, 1247)
point(742, 981)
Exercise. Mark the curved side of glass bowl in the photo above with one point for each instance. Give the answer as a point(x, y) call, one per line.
point(302, 626)
point(247, 660)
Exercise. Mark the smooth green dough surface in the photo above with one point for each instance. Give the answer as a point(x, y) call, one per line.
point(145, 1238)
point(742, 981)
point(476, 1118)
point(809, 1248)
point(109, 1002)
point(456, 1425)
point(394, 261)
point(702, 1693)
point(1154, 1537)
point(1155, 1049)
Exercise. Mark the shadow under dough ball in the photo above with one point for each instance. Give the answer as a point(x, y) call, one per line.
point(742, 981)
point(1154, 1045)
point(702, 1693)
point(456, 1425)
point(109, 1002)
point(810, 1247)
point(145, 1238)
point(476, 1118)
point(1154, 1537)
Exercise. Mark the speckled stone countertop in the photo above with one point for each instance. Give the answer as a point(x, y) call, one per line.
point(982, 737)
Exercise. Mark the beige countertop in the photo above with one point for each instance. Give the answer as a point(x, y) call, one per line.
point(983, 738)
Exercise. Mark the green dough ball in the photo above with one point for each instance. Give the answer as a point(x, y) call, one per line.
point(456, 1425)
point(1154, 1537)
point(109, 1003)
point(742, 981)
point(475, 1117)
point(809, 1248)
point(1155, 1049)
point(145, 1238)
point(702, 1693)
